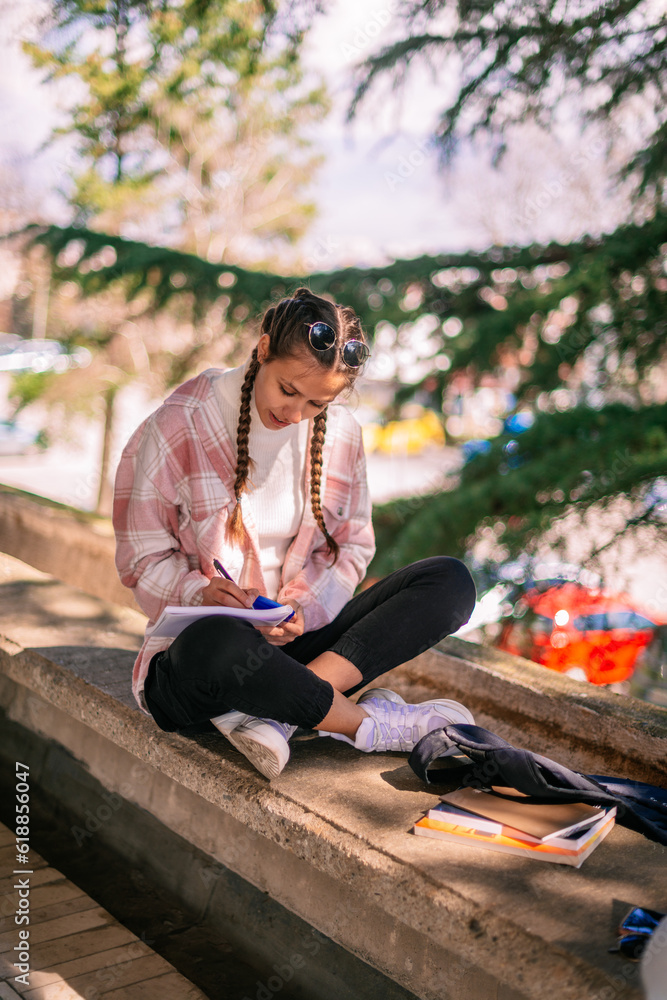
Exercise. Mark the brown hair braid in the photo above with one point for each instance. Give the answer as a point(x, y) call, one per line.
point(286, 323)
point(235, 526)
point(316, 443)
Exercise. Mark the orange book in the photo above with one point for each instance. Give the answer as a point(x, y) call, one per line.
point(426, 827)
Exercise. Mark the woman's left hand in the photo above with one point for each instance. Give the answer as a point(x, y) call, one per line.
point(279, 635)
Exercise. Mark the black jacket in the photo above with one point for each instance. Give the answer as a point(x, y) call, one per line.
point(490, 761)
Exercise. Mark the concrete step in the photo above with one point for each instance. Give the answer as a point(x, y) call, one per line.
point(330, 840)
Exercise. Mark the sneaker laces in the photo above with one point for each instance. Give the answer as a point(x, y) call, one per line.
point(388, 729)
point(398, 727)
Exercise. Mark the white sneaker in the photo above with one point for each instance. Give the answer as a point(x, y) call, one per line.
point(396, 726)
point(230, 720)
point(381, 694)
point(375, 696)
point(264, 743)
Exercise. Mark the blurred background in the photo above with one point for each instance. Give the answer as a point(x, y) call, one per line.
point(483, 183)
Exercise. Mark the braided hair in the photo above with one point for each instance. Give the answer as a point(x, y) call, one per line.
point(286, 323)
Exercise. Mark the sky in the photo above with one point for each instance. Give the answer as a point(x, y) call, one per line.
point(382, 193)
point(379, 194)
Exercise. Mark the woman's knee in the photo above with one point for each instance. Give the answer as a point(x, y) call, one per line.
point(211, 647)
point(455, 578)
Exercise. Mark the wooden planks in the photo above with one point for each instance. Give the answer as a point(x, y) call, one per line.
point(77, 948)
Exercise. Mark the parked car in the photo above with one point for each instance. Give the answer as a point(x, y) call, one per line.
point(579, 631)
point(409, 435)
point(19, 355)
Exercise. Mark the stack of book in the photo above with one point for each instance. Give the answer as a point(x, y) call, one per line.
point(564, 833)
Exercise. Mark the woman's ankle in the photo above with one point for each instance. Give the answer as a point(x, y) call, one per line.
point(343, 717)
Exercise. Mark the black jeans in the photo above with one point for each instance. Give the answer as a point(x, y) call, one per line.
point(219, 664)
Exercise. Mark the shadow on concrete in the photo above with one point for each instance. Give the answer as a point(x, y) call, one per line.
point(106, 668)
point(41, 606)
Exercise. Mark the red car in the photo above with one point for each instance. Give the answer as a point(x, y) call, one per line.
point(571, 628)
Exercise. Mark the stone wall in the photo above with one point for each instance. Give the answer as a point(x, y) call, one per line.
point(76, 547)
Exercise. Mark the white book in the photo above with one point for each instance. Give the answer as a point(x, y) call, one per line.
point(174, 619)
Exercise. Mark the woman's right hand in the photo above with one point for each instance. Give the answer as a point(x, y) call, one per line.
point(226, 592)
point(280, 635)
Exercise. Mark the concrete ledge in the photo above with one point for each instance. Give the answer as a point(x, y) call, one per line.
point(215, 911)
point(329, 840)
point(75, 546)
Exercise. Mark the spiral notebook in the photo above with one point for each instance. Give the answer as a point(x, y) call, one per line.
point(174, 619)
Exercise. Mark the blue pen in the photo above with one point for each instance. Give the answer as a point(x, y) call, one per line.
point(260, 603)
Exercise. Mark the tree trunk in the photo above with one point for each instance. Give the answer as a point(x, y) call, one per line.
point(105, 493)
point(40, 312)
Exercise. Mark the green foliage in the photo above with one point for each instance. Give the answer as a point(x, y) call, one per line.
point(188, 125)
point(583, 324)
point(157, 81)
point(590, 316)
point(97, 261)
point(531, 484)
point(586, 323)
point(521, 60)
point(26, 387)
point(596, 305)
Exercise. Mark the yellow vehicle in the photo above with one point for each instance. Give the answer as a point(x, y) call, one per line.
point(409, 436)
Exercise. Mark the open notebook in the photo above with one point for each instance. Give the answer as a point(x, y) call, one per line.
point(173, 620)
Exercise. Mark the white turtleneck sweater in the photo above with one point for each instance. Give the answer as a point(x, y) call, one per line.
point(275, 491)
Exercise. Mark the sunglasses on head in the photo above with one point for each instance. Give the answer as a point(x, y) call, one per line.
point(322, 337)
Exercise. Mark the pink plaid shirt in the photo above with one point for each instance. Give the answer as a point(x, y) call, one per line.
point(174, 493)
